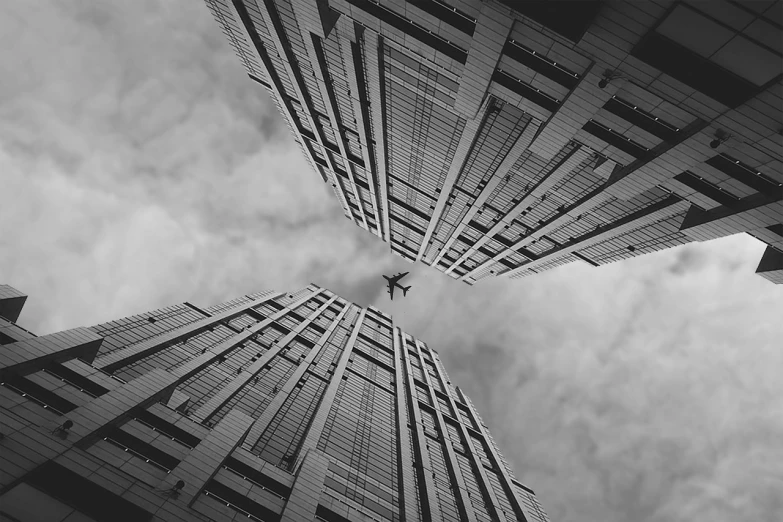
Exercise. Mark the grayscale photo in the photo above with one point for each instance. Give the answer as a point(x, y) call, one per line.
point(391, 261)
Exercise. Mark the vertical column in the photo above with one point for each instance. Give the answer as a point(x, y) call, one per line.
point(284, 49)
point(571, 161)
point(262, 423)
point(456, 473)
point(492, 29)
point(505, 166)
point(204, 461)
point(371, 46)
point(663, 162)
point(581, 104)
point(120, 403)
point(242, 21)
point(355, 75)
point(321, 70)
point(319, 419)
point(134, 352)
point(423, 466)
point(198, 363)
point(226, 393)
point(408, 484)
point(484, 483)
point(516, 503)
point(469, 134)
point(303, 501)
point(308, 18)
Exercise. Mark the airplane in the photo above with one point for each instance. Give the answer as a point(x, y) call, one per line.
point(394, 281)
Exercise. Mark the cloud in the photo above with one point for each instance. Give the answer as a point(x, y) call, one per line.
point(630, 392)
point(139, 167)
point(153, 170)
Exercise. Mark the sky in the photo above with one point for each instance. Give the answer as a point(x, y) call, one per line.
point(140, 167)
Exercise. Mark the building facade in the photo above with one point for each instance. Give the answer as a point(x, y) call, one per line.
point(271, 407)
point(505, 137)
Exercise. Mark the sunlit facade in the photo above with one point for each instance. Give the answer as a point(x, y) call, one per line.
point(506, 137)
point(270, 407)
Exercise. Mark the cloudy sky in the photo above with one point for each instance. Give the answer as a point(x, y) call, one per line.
point(139, 167)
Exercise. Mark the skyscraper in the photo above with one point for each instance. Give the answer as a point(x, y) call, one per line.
point(504, 137)
point(270, 407)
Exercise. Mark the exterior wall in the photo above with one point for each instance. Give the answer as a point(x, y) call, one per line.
point(489, 137)
point(269, 407)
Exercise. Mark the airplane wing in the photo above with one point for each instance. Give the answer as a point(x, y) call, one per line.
point(391, 291)
point(393, 280)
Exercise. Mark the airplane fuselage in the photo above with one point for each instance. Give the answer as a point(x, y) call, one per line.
point(393, 282)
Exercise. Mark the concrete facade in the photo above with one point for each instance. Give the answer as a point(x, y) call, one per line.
point(270, 407)
point(495, 137)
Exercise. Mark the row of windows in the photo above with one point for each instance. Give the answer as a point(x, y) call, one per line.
point(474, 492)
point(444, 493)
point(649, 238)
point(527, 162)
point(130, 330)
point(279, 444)
point(607, 213)
point(360, 430)
point(361, 498)
point(255, 396)
point(216, 309)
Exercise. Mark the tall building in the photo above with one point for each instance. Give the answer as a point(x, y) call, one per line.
point(508, 137)
point(271, 407)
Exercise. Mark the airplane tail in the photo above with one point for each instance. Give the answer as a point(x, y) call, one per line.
point(405, 290)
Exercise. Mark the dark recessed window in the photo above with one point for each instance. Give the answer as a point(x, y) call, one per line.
point(707, 188)
point(536, 96)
